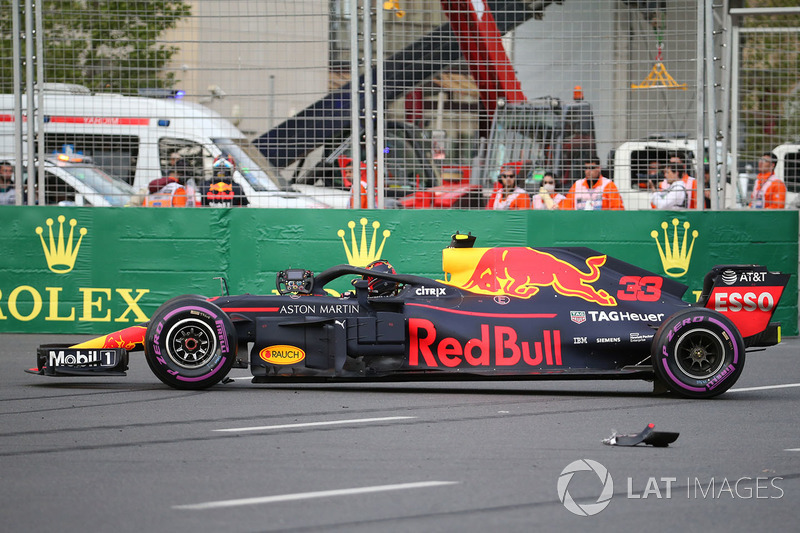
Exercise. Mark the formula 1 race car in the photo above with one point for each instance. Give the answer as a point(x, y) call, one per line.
point(499, 313)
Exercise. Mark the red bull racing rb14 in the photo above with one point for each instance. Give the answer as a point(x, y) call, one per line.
point(498, 313)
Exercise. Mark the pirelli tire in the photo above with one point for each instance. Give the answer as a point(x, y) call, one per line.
point(697, 353)
point(190, 343)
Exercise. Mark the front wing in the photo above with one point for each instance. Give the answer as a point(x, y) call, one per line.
point(66, 361)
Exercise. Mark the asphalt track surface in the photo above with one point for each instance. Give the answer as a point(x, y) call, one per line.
point(130, 454)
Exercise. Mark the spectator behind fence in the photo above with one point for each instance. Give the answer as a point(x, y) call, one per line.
point(688, 181)
point(674, 196)
point(347, 172)
point(648, 179)
point(769, 190)
point(175, 158)
point(547, 198)
point(707, 186)
point(511, 193)
point(172, 190)
point(653, 173)
point(177, 173)
point(593, 192)
point(7, 192)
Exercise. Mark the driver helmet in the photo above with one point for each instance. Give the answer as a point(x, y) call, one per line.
point(223, 167)
point(380, 286)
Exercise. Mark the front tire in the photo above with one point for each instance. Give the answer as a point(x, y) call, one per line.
point(190, 343)
point(697, 353)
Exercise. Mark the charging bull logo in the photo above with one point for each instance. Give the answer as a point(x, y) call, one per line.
point(520, 272)
point(131, 338)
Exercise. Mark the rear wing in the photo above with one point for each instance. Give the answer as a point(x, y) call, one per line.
point(748, 296)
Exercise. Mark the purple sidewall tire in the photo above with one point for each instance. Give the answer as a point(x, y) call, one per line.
point(190, 343)
point(697, 353)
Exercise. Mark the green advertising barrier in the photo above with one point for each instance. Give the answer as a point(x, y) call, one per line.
point(95, 270)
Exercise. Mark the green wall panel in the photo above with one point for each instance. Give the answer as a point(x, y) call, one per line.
point(131, 260)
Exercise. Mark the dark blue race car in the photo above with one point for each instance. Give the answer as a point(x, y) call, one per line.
point(498, 313)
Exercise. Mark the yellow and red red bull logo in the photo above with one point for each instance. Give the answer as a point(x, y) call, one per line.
point(521, 272)
point(282, 354)
point(131, 339)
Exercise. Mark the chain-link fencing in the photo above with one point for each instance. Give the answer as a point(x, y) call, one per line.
point(257, 102)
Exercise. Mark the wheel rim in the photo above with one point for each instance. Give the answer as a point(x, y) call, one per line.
point(700, 354)
point(191, 344)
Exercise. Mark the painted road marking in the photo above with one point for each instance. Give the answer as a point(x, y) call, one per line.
point(310, 495)
point(766, 387)
point(316, 424)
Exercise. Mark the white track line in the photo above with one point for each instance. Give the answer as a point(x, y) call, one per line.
point(310, 495)
point(766, 387)
point(315, 424)
point(792, 450)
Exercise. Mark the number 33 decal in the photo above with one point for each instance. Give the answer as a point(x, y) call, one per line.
point(642, 289)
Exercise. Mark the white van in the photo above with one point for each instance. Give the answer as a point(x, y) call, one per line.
point(134, 137)
point(628, 164)
point(788, 168)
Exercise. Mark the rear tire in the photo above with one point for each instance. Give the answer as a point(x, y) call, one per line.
point(697, 353)
point(190, 343)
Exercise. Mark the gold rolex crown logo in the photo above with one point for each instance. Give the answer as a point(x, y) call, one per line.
point(675, 258)
point(61, 253)
point(362, 253)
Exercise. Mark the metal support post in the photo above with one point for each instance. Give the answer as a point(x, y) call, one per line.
point(699, 90)
point(355, 107)
point(30, 102)
point(17, 74)
point(711, 108)
point(369, 125)
point(379, 103)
